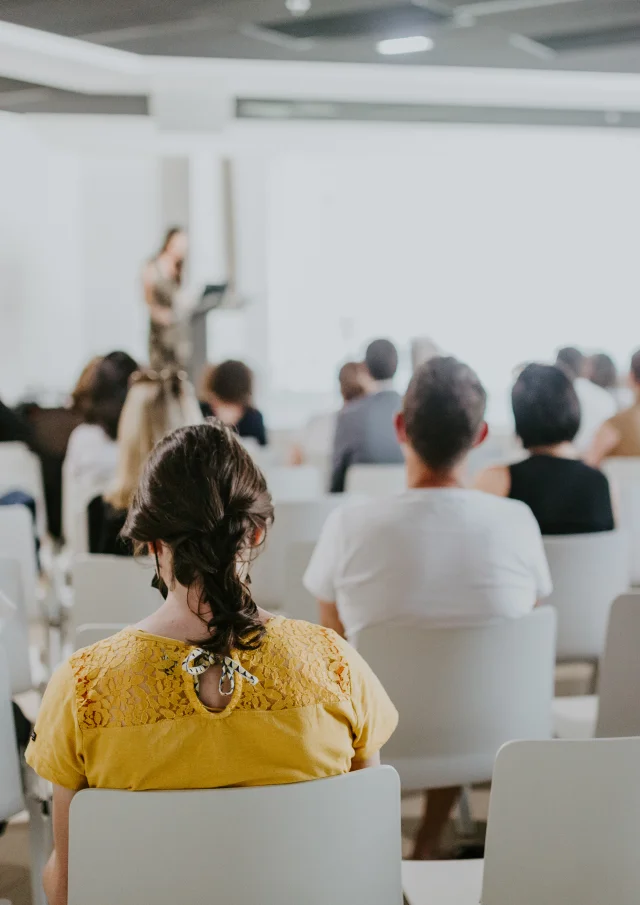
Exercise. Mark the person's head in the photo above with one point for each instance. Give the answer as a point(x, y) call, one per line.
point(381, 359)
point(175, 244)
point(601, 370)
point(82, 392)
point(545, 406)
point(108, 391)
point(443, 414)
point(202, 506)
point(229, 384)
point(156, 404)
point(350, 377)
point(571, 360)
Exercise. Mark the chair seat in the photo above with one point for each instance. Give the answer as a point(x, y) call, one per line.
point(575, 717)
point(442, 882)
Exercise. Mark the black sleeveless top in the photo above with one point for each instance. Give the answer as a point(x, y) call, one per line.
point(565, 495)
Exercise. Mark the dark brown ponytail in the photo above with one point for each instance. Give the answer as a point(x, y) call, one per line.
point(203, 496)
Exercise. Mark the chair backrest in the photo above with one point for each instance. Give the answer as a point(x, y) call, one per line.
point(20, 469)
point(333, 840)
point(14, 637)
point(376, 480)
point(92, 632)
point(114, 589)
point(624, 475)
point(76, 496)
point(295, 522)
point(11, 801)
point(588, 571)
point(563, 824)
point(297, 602)
point(293, 483)
point(619, 678)
point(17, 542)
point(462, 693)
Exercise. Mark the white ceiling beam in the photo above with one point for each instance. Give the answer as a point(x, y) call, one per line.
point(37, 56)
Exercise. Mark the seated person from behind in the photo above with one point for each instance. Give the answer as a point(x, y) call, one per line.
point(596, 404)
point(620, 435)
point(227, 392)
point(315, 440)
point(364, 430)
point(565, 495)
point(156, 405)
point(92, 452)
point(295, 702)
point(437, 553)
point(601, 370)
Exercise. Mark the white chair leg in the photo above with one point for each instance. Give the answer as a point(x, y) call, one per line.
point(40, 846)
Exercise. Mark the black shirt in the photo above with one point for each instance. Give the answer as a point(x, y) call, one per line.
point(250, 425)
point(105, 525)
point(565, 495)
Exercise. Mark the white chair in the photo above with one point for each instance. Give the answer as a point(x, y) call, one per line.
point(588, 571)
point(11, 797)
point(14, 636)
point(624, 475)
point(17, 542)
point(115, 589)
point(376, 480)
point(442, 882)
point(76, 496)
point(92, 632)
point(20, 469)
point(297, 602)
point(462, 693)
point(563, 824)
point(293, 483)
point(295, 522)
point(615, 712)
point(332, 841)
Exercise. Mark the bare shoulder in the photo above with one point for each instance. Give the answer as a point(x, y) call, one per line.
point(495, 480)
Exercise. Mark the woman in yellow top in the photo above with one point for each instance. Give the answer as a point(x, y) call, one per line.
point(208, 691)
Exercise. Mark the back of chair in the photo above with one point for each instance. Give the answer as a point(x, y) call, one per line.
point(462, 693)
point(330, 841)
point(115, 589)
point(14, 637)
point(588, 571)
point(563, 824)
point(295, 522)
point(624, 474)
point(376, 480)
point(619, 685)
point(92, 632)
point(11, 801)
point(293, 483)
point(17, 542)
point(297, 602)
point(20, 469)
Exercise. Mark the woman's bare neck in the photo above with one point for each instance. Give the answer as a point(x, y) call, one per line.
point(179, 620)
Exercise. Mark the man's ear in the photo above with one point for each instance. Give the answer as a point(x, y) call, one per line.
point(401, 428)
point(481, 436)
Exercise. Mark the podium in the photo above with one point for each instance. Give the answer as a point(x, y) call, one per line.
point(213, 297)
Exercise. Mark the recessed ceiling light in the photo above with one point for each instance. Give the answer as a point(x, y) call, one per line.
point(412, 44)
point(298, 7)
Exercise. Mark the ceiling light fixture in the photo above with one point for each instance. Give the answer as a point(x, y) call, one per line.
point(412, 44)
point(298, 7)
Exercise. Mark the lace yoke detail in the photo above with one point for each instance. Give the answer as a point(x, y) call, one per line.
point(131, 680)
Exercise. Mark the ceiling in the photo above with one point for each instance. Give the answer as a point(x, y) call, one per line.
point(587, 35)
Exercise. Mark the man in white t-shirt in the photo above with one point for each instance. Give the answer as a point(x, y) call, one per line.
point(596, 404)
point(436, 553)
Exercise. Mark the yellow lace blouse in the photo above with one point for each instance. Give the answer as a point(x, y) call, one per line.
point(123, 714)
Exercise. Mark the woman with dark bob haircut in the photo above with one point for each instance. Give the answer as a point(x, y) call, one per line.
point(565, 495)
point(227, 393)
point(209, 690)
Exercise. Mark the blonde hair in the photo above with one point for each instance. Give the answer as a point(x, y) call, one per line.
point(156, 405)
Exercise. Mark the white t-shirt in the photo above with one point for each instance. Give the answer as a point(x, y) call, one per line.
point(596, 407)
point(448, 555)
point(92, 456)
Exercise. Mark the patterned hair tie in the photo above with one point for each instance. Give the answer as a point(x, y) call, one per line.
point(198, 661)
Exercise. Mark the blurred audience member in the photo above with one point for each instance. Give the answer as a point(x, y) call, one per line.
point(620, 435)
point(596, 404)
point(315, 440)
point(227, 393)
point(13, 427)
point(437, 552)
point(565, 495)
point(364, 430)
point(92, 453)
point(601, 370)
point(156, 405)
